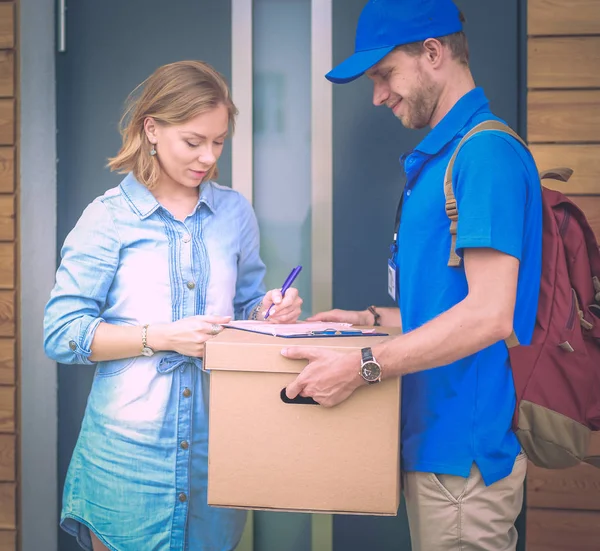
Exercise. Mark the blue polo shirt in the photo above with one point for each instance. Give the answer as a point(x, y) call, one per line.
point(461, 413)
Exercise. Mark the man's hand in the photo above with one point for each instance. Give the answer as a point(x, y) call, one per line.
point(329, 378)
point(389, 317)
point(355, 317)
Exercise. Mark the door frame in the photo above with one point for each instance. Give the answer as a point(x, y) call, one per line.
point(38, 504)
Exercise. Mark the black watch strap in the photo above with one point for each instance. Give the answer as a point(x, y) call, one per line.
point(376, 316)
point(367, 354)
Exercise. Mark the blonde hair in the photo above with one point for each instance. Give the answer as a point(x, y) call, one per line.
point(173, 94)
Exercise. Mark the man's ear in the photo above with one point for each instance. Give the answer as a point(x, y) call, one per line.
point(434, 51)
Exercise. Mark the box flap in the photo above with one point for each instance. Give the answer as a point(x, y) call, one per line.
point(234, 350)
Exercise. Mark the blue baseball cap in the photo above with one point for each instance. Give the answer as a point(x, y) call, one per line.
point(385, 24)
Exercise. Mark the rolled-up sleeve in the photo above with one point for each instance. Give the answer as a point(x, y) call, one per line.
point(250, 287)
point(89, 260)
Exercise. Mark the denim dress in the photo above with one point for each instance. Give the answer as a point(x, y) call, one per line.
point(138, 474)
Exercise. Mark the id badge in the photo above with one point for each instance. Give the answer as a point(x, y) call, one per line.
point(392, 279)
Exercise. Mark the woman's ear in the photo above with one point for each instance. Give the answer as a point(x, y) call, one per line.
point(150, 129)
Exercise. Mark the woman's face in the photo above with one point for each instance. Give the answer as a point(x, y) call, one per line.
point(186, 152)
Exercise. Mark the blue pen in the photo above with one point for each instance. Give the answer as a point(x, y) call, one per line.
point(286, 285)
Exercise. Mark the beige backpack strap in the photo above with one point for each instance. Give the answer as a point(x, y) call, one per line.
point(561, 174)
point(451, 206)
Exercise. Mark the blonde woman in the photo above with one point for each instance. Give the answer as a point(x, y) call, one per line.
point(149, 273)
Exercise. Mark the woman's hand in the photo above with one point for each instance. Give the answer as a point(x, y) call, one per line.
point(285, 309)
point(186, 336)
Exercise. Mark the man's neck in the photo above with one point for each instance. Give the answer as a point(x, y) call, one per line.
point(460, 83)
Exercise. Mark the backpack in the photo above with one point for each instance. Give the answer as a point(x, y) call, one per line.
point(557, 376)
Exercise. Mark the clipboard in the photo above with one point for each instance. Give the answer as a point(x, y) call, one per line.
point(303, 330)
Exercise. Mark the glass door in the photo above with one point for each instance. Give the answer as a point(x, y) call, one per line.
point(281, 162)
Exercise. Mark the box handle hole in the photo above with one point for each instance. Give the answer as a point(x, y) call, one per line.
point(297, 400)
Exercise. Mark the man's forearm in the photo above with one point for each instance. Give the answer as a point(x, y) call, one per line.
point(455, 334)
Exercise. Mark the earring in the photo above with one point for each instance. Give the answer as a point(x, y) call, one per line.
point(153, 150)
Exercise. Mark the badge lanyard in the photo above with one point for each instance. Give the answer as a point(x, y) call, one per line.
point(392, 268)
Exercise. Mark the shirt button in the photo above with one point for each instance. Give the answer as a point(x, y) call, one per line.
point(72, 345)
point(408, 192)
point(187, 238)
point(187, 392)
point(182, 497)
point(184, 445)
point(190, 285)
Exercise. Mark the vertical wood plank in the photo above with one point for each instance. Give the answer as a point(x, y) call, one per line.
point(7, 217)
point(7, 409)
point(7, 122)
point(7, 265)
point(8, 444)
point(7, 314)
point(7, 361)
point(8, 505)
point(7, 73)
point(7, 25)
point(7, 169)
point(8, 540)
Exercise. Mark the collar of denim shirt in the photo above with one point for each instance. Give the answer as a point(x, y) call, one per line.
point(144, 203)
point(454, 121)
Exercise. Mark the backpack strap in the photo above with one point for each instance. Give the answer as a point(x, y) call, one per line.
point(451, 206)
point(561, 174)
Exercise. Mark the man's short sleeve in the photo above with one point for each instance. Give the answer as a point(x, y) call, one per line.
point(491, 185)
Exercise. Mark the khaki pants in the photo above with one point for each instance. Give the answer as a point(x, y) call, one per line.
point(452, 513)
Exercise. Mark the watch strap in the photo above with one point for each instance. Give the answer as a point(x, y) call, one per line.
point(376, 316)
point(367, 354)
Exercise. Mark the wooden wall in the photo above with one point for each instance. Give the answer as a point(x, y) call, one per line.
point(563, 129)
point(8, 255)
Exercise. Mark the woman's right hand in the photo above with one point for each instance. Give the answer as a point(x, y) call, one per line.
point(186, 336)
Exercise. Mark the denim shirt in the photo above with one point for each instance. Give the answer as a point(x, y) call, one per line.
point(138, 473)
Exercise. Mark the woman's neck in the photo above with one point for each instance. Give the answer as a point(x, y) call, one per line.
point(177, 199)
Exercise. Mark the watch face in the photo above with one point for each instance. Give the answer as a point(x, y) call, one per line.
point(371, 371)
point(147, 351)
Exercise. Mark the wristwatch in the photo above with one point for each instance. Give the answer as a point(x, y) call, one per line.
point(370, 370)
point(146, 350)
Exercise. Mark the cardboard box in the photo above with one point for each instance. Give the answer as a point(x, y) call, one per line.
point(267, 454)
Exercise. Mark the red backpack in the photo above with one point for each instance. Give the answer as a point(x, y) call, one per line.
point(557, 376)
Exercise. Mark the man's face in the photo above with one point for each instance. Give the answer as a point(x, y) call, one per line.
point(402, 83)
